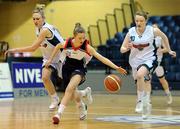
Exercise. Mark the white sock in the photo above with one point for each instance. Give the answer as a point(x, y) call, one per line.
point(61, 109)
point(140, 95)
point(148, 96)
point(167, 92)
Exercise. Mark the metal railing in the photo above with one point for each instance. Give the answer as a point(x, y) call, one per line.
point(113, 23)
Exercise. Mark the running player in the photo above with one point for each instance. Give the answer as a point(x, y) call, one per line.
point(160, 69)
point(75, 50)
point(47, 38)
point(143, 60)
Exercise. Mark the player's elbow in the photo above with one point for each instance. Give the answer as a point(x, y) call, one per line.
point(122, 49)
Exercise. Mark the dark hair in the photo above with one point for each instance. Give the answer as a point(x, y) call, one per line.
point(142, 13)
point(39, 10)
point(78, 29)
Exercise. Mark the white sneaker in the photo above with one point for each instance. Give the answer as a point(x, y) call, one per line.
point(169, 98)
point(139, 107)
point(83, 112)
point(56, 119)
point(54, 103)
point(89, 95)
point(147, 107)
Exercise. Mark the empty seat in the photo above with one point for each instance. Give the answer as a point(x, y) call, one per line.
point(169, 34)
point(168, 60)
point(167, 18)
point(117, 57)
point(177, 20)
point(178, 76)
point(160, 24)
point(171, 76)
point(102, 49)
point(154, 78)
point(154, 19)
point(164, 29)
point(174, 68)
point(178, 61)
point(178, 54)
point(114, 52)
point(170, 24)
point(111, 41)
point(175, 29)
point(177, 35)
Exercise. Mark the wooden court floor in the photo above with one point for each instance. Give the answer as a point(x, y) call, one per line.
point(107, 112)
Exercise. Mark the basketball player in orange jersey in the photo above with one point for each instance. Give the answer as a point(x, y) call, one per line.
point(140, 42)
point(75, 51)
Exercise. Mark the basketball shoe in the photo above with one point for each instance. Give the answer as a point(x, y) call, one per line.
point(54, 103)
point(139, 107)
point(147, 106)
point(169, 98)
point(56, 119)
point(83, 111)
point(89, 95)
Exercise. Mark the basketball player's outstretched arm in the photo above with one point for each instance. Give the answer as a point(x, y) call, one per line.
point(105, 60)
point(35, 44)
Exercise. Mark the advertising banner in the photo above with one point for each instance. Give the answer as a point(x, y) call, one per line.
point(27, 80)
point(6, 89)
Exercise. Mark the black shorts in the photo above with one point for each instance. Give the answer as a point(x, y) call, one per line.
point(68, 73)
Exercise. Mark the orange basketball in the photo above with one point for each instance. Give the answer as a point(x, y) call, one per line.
point(112, 83)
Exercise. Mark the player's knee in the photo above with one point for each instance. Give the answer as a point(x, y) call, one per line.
point(139, 76)
point(45, 79)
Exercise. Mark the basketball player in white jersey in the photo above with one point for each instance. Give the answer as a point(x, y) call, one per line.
point(75, 52)
point(160, 70)
point(47, 38)
point(143, 60)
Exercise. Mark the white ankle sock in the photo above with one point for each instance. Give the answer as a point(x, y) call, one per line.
point(140, 95)
point(149, 96)
point(61, 109)
point(167, 92)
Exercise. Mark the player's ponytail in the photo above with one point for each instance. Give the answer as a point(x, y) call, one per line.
point(39, 9)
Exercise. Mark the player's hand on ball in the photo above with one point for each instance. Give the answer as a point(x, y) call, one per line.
point(121, 70)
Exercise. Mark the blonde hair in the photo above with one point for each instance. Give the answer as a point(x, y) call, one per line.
point(39, 9)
